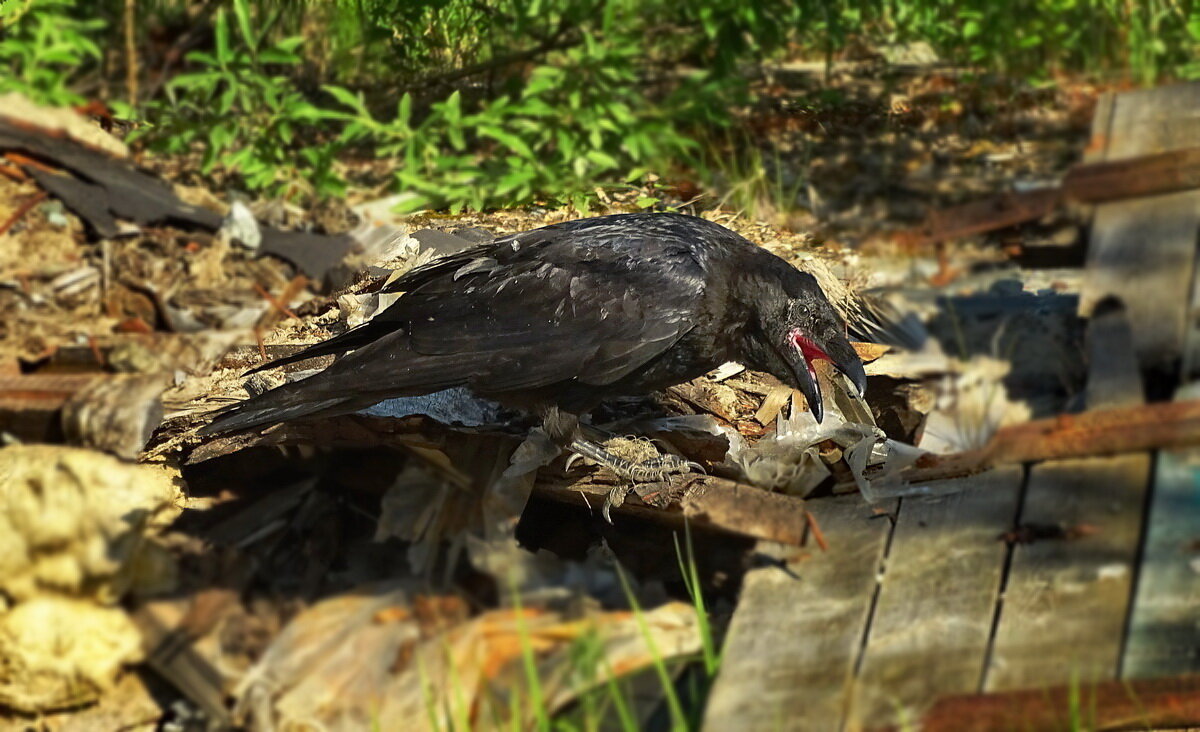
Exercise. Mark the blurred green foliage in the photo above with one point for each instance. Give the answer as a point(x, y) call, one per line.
point(47, 51)
point(482, 103)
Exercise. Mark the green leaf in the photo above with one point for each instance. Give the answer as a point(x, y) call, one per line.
point(202, 58)
point(451, 109)
point(404, 109)
point(241, 9)
point(509, 140)
point(221, 31)
point(278, 56)
point(602, 159)
point(225, 100)
point(347, 98)
point(291, 44)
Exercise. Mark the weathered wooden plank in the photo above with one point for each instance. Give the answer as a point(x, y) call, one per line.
point(1143, 251)
point(1102, 118)
point(1066, 600)
point(1151, 244)
point(933, 619)
point(1189, 369)
point(796, 635)
point(1154, 120)
point(1113, 376)
point(1164, 627)
point(1065, 604)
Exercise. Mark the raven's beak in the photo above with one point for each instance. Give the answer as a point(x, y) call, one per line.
point(836, 350)
point(852, 367)
point(806, 378)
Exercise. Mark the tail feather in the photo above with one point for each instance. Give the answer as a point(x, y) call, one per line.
point(365, 377)
point(350, 340)
point(288, 402)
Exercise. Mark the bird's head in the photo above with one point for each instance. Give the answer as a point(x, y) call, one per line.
point(797, 326)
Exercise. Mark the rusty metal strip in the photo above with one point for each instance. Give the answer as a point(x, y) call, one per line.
point(1145, 704)
point(1090, 434)
point(1148, 175)
point(1087, 183)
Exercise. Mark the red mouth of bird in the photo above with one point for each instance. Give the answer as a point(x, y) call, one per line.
point(810, 350)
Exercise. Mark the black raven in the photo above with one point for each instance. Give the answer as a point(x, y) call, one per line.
point(556, 319)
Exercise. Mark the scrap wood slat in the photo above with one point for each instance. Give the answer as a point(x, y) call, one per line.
point(1090, 434)
point(1091, 182)
point(795, 637)
point(933, 619)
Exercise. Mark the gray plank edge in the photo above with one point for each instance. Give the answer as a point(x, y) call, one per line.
point(1164, 624)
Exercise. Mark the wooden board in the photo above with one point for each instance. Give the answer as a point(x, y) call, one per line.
point(1065, 604)
point(1114, 379)
point(1189, 368)
point(795, 638)
point(1150, 245)
point(1142, 251)
point(933, 619)
point(1164, 627)
point(1066, 601)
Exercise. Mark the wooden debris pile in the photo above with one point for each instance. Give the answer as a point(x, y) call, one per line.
point(107, 269)
point(133, 313)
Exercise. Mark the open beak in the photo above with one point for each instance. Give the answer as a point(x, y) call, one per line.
point(841, 354)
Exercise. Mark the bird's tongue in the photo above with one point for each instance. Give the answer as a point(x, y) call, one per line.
point(811, 352)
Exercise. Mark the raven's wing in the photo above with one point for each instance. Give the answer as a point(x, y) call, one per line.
point(544, 313)
point(576, 264)
point(524, 312)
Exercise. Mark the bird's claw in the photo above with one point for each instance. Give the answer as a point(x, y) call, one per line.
point(615, 498)
point(572, 459)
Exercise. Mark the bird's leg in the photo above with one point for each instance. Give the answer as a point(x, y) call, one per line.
point(565, 428)
point(654, 470)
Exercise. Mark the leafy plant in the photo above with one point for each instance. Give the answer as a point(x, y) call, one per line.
point(45, 46)
point(246, 114)
point(558, 138)
point(1151, 39)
